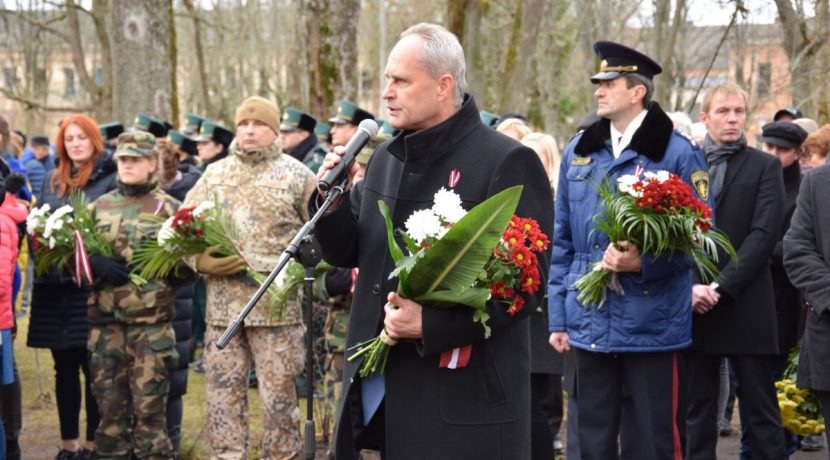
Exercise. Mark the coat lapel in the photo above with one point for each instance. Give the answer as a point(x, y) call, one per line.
point(733, 166)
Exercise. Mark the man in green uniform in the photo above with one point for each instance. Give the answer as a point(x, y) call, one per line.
point(345, 123)
point(298, 138)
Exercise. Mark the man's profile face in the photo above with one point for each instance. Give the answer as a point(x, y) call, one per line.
point(725, 119)
point(342, 132)
point(412, 95)
point(614, 97)
point(291, 139)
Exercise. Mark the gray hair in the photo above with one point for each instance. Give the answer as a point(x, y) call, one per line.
point(442, 54)
point(634, 79)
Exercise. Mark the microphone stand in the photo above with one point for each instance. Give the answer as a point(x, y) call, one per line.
point(301, 247)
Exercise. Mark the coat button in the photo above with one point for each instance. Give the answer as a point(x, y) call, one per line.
point(376, 289)
point(397, 232)
point(593, 345)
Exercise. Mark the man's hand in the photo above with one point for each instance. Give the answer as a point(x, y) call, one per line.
point(559, 342)
point(333, 158)
point(704, 298)
point(625, 260)
point(403, 318)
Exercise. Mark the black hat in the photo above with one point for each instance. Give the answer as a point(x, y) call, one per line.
point(618, 60)
point(211, 131)
point(783, 134)
point(349, 112)
point(184, 142)
point(152, 125)
point(40, 139)
point(791, 111)
point(293, 119)
point(111, 130)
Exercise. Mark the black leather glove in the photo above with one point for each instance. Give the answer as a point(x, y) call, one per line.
point(110, 270)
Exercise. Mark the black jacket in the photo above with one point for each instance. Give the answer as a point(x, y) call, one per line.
point(179, 188)
point(59, 306)
point(787, 297)
point(750, 211)
point(182, 325)
point(482, 410)
point(807, 259)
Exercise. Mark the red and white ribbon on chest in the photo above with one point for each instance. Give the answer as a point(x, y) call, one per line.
point(456, 358)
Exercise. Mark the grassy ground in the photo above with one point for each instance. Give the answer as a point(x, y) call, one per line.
point(40, 437)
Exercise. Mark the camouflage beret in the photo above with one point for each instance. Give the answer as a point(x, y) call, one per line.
point(135, 144)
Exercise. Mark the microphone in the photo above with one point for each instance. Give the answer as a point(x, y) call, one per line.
point(365, 132)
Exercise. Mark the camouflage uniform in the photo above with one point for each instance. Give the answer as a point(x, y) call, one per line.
point(265, 193)
point(131, 339)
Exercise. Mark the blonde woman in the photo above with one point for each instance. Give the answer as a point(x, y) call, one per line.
point(545, 146)
point(514, 127)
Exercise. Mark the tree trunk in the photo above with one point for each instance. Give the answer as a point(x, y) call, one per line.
point(200, 55)
point(515, 85)
point(142, 60)
point(802, 46)
point(344, 16)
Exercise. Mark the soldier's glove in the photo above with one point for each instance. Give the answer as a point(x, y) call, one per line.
point(210, 264)
point(110, 270)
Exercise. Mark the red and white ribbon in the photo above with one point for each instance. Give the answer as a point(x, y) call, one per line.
point(82, 269)
point(456, 358)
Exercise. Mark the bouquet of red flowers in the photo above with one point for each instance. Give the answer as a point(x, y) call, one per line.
point(458, 257)
point(660, 215)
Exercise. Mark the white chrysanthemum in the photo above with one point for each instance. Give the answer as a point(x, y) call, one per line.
point(625, 184)
point(422, 224)
point(52, 242)
point(204, 206)
point(448, 205)
point(166, 233)
point(56, 220)
point(661, 176)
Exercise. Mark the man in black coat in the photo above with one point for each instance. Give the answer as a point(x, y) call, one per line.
point(807, 260)
point(736, 316)
point(478, 411)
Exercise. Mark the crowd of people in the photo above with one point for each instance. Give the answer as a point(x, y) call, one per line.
point(651, 374)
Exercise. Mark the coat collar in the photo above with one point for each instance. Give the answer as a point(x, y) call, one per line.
point(414, 145)
point(651, 139)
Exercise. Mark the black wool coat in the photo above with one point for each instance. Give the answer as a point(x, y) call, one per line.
point(750, 211)
point(482, 410)
point(59, 306)
point(807, 260)
point(787, 298)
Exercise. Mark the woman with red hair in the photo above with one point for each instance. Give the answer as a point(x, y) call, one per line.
point(59, 307)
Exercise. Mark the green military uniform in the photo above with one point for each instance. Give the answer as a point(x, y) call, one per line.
point(131, 340)
point(310, 152)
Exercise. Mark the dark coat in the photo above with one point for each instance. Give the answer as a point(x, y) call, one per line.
point(807, 259)
point(787, 298)
point(182, 325)
point(59, 307)
point(179, 188)
point(543, 358)
point(750, 211)
point(482, 410)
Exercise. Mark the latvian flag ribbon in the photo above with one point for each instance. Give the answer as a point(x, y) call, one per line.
point(456, 358)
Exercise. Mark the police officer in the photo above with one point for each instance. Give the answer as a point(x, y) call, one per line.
point(345, 123)
point(633, 337)
point(131, 338)
point(299, 140)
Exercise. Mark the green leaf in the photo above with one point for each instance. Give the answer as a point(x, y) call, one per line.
point(472, 297)
point(456, 260)
point(394, 249)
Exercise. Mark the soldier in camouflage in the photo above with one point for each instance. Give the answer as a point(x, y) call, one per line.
point(265, 193)
point(298, 138)
point(131, 339)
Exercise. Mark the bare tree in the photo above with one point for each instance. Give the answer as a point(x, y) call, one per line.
point(802, 42)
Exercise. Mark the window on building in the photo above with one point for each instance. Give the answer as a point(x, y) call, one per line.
point(764, 80)
point(10, 77)
point(69, 82)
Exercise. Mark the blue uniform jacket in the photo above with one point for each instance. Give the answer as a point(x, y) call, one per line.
point(655, 312)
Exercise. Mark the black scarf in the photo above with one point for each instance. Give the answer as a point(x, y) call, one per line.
point(717, 156)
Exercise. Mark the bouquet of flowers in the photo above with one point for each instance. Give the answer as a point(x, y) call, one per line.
point(68, 234)
point(800, 407)
point(191, 231)
point(457, 257)
point(659, 214)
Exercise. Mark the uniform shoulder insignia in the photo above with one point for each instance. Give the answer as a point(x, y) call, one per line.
point(700, 179)
point(581, 161)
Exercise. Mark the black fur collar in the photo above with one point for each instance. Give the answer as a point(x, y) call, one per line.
point(651, 139)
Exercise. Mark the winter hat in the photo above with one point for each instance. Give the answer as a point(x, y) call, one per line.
point(259, 109)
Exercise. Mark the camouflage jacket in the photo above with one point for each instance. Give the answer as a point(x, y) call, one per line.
point(118, 217)
point(265, 193)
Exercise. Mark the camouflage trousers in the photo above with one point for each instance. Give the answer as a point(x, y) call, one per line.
point(130, 367)
point(337, 325)
point(279, 356)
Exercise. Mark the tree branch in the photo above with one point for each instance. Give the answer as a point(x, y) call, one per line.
point(41, 25)
point(32, 104)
